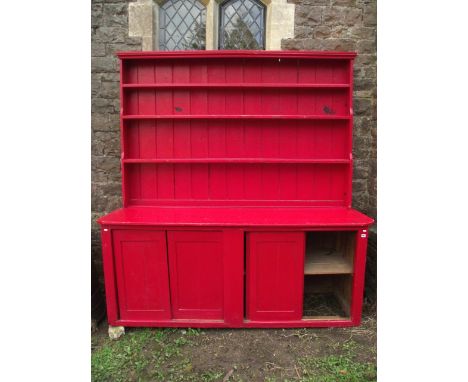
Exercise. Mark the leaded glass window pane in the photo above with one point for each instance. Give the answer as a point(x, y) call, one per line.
point(182, 25)
point(242, 25)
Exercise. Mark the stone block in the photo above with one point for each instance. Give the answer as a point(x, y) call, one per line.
point(359, 185)
point(312, 44)
point(339, 44)
point(102, 106)
point(140, 19)
point(109, 89)
point(115, 14)
point(96, 15)
point(361, 169)
point(111, 34)
point(103, 76)
point(314, 2)
point(339, 31)
point(104, 64)
point(115, 332)
point(98, 49)
point(346, 3)
point(342, 16)
point(105, 122)
point(133, 43)
point(105, 143)
point(362, 146)
point(370, 14)
point(361, 32)
point(367, 46)
point(308, 15)
point(302, 32)
point(365, 60)
point(362, 106)
point(364, 83)
point(107, 164)
point(292, 44)
point(322, 32)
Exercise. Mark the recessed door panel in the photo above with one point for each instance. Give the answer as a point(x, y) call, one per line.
point(196, 265)
point(142, 275)
point(275, 267)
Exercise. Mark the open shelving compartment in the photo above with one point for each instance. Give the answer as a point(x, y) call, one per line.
point(328, 274)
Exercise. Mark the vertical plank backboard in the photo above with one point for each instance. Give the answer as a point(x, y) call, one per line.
point(218, 161)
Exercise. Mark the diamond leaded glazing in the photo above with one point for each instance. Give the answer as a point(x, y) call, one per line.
point(242, 25)
point(182, 25)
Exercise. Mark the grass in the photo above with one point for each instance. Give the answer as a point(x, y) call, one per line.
point(148, 355)
point(338, 368)
point(173, 355)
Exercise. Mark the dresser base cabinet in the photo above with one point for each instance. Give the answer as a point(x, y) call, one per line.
point(233, 277)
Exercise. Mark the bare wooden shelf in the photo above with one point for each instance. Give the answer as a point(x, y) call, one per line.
point(322, 262)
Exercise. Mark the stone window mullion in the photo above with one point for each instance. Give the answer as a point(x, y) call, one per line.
point(143, 22)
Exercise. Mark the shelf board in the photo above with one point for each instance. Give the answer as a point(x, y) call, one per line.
point(237, 116)
point(320, 262)
point(238, 160)
point(235, 86)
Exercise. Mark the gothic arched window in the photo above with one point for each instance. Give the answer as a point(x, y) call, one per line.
point(182, 25)
point(242, 24)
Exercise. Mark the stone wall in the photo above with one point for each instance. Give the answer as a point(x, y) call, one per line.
point(109, 22)
point(348, 25)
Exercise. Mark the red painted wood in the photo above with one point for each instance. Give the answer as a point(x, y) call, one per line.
point(245, 324)
point(320, 55)
point(218, 146)
point(109, 275)
point(196, 267)
point(233, 247)
point(237, 128)
point(141, 274)
point(359, 275)
point(275, 276)
point(295, 217)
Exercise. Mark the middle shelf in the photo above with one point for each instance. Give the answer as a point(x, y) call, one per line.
point(235, 116)
point(324, 263)
point(238, 160)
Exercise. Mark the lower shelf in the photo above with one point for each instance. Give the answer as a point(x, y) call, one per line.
point(327, 296)
point(322, 305)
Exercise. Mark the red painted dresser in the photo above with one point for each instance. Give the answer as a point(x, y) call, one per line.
point(236, 182)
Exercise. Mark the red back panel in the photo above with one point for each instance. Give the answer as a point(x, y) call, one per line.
point(142, 274)
point(242, 128)
point(197, 274)
point(275, 275)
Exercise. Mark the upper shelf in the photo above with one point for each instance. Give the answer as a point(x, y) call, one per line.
point(236, 86)
point(237, 160)
point(236, 116)
point(270, 54)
